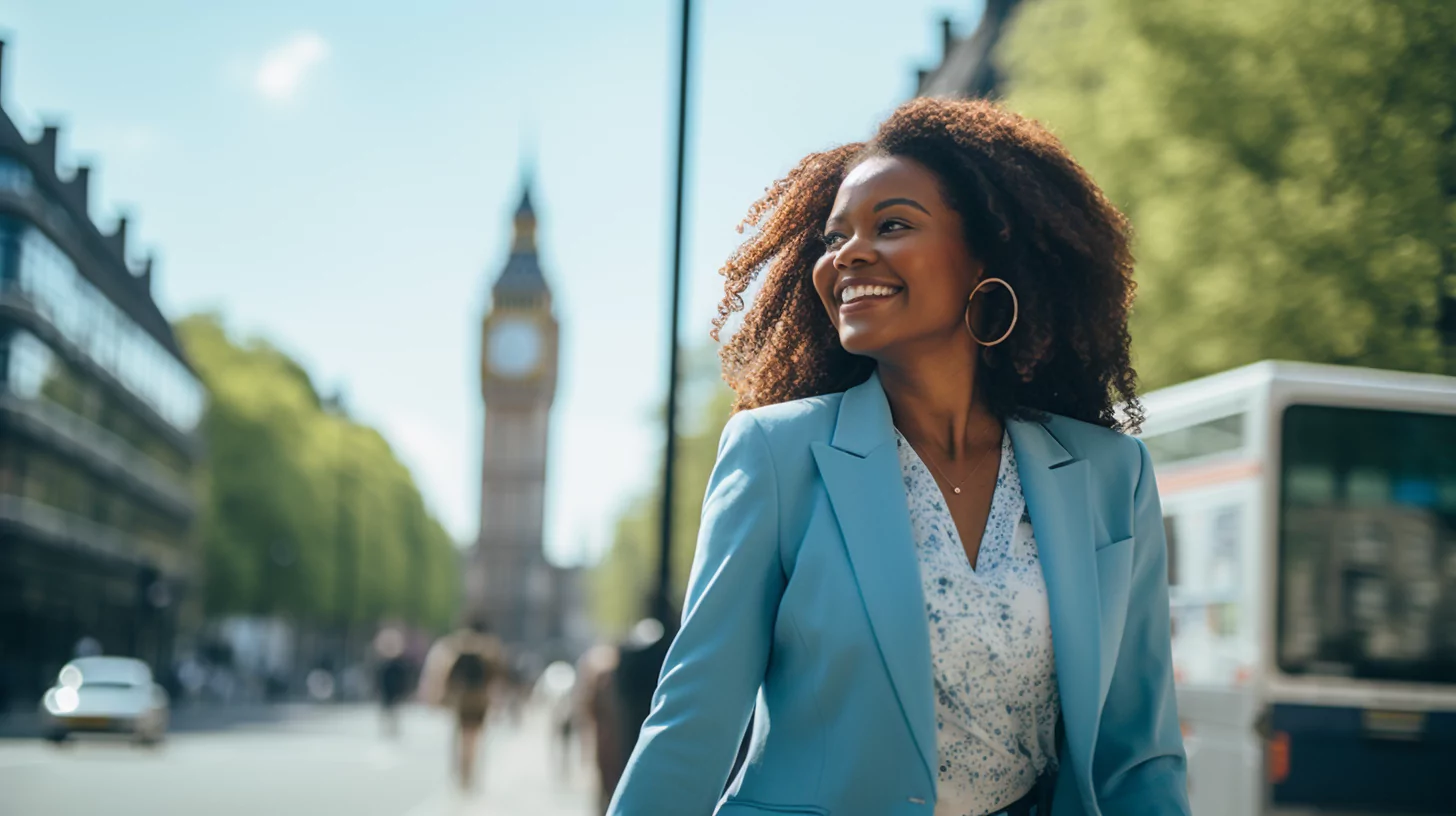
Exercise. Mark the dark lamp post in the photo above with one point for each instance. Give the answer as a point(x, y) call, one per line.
point(662, 603)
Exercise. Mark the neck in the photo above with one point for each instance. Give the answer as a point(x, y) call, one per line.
point(935, 403)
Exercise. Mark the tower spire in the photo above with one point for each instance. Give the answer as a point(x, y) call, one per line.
point(524, 241)
point(521, 281)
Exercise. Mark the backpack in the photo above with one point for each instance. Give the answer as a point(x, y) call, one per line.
point(470, 674)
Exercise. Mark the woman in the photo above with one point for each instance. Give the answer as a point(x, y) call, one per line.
point(926, 549)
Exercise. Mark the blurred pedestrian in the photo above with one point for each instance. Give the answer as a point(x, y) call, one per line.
point(639, 663)
point(601, 734)
point(393, 678)
point(461, 672)
point(555, 692)
point(925, 482)
point(516, 687)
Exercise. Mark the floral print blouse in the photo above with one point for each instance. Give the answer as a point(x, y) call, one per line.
point(996, 700)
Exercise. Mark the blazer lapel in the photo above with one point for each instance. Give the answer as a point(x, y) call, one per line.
point(861, 472)
point(1055, 485)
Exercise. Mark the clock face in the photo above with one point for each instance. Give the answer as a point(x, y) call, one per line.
point(514, 347)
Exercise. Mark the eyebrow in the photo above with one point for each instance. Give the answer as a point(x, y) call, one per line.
point(909, 202)
point(887, 203)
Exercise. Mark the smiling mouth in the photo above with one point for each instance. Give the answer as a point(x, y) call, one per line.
point(867, 294)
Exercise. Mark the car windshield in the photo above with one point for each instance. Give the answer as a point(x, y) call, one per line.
point(105, 672)
point(1367, 544)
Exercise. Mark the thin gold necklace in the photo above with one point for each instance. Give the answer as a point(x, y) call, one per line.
point(953, 486)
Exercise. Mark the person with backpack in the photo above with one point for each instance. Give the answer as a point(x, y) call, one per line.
point(460, 674)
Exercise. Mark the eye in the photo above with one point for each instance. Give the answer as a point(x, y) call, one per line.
point(832, 239)
point(893, 225)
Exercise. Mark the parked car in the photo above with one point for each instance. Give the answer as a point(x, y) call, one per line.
point(109, 695)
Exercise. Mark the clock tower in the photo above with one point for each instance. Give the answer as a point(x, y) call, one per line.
point(509, 579)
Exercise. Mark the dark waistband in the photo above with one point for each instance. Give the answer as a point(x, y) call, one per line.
point(1036, 802)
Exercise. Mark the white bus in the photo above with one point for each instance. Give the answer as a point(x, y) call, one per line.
point(1310, 513)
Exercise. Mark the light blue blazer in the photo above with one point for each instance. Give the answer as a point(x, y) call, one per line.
point(805, 599)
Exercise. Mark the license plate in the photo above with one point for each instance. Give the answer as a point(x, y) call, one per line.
point(1396, 725)
point(89, 722)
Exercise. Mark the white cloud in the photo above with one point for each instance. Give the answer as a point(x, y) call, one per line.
point(284, 68)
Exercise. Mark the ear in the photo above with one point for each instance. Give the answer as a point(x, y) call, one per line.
point(976, 270)
point(978, 273)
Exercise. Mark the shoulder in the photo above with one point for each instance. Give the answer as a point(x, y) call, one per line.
point(786, 425)
point(1121, 483)
point(1114, 456)
point(778, 441)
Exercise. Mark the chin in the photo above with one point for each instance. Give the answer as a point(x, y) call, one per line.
point(862, 343)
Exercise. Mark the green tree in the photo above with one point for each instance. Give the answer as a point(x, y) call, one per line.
point(307, 514)
point(1289, 166)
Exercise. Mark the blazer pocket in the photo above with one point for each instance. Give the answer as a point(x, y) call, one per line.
point(1111, 544)
point(749, 806)
point(1114, 587)
point(1114, 564)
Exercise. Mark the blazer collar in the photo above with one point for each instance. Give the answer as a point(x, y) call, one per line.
point(864, 420)
point(861, 473)
point(1056, 486)
point(865, 423)
point(860, 470)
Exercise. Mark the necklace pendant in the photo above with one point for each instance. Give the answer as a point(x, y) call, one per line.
point(957, 490)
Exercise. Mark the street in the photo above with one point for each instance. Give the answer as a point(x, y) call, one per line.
point(320, 761)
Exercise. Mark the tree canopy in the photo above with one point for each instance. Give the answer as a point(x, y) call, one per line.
point(306, 513)
point(1289, 166)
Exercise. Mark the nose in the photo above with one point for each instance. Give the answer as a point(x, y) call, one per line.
point(855, 252)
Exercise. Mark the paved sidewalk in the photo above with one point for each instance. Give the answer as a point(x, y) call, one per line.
point(521, 775)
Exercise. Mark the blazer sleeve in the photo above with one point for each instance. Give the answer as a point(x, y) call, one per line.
point(716, 663)
point(1139, 766)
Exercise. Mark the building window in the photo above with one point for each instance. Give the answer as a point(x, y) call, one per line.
point(14, 176)
point(31, 371)
point(43, 274)
point(59, 484)
point(28, 367)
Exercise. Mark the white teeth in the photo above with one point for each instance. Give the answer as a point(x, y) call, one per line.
point(853, 293)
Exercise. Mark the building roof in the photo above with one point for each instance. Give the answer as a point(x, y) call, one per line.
point(100, 257)
point(966, 68)
point(1265, 372)
point(522, 275)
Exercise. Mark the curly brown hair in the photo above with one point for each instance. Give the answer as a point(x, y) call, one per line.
point(1031, 215)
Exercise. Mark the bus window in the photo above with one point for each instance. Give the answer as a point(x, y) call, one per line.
point(1222, 435)
point(1367, 544)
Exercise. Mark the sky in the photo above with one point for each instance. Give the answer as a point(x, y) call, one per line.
point(339, 177)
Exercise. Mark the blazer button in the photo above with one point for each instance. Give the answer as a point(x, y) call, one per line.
point(916, 800)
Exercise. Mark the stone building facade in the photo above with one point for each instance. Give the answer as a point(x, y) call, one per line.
point(99, 412)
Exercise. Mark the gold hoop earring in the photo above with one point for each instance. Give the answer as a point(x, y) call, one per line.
point(1015, 311)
